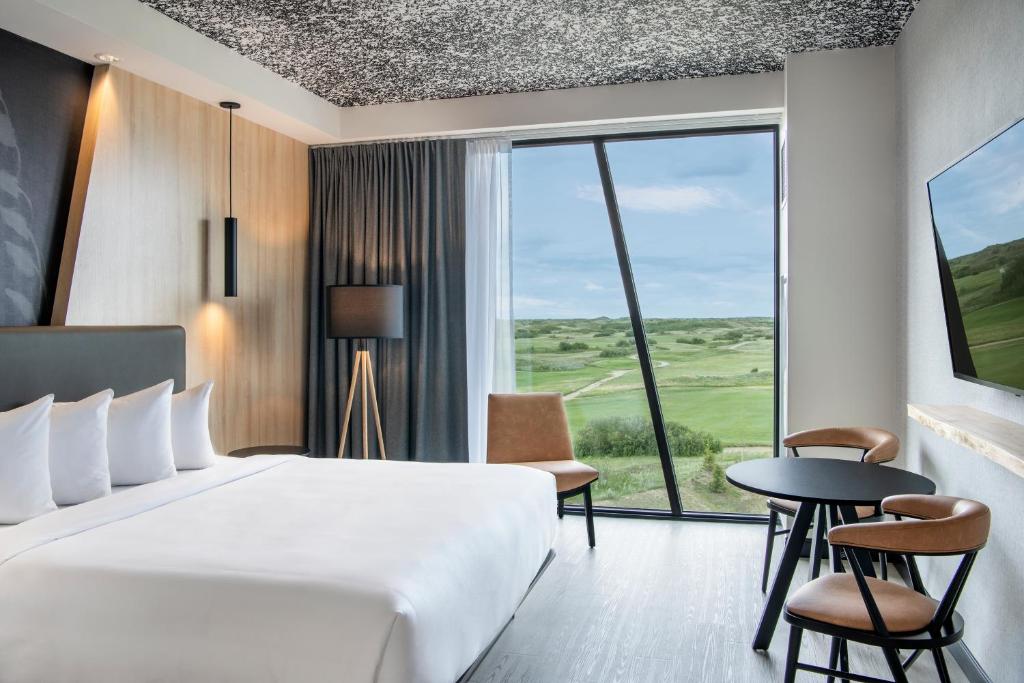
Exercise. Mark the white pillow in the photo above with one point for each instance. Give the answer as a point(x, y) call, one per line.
point(139, 436)
point(24, 462)
point(78, 449)
point(190, 428)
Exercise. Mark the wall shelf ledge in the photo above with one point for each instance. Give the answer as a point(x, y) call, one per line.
point(996, 438)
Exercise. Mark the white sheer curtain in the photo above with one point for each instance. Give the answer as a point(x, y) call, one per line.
point(490, 354)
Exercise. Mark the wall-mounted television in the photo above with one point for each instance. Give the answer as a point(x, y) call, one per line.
point(978, 217)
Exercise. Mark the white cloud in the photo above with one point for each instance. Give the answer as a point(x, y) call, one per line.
point(593, 286)
point(658, 198)
point(1010, 198)
point(533, 302)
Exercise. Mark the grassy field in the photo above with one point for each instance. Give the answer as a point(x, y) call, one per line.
point(713, 375)
point(990, 290)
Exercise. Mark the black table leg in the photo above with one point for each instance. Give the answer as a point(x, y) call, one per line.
point(837, 553)
point(817, 542)
point(863, 556)
point(783, 576)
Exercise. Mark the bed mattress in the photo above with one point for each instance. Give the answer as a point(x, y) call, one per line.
point(276, 568)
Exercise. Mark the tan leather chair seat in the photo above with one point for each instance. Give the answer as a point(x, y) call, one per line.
point(835, 599)
point(863, 511)
point(569, 474)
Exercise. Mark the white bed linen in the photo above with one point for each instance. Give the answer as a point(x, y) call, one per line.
point(275, 568)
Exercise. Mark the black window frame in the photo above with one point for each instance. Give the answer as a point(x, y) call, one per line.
point(597, 142)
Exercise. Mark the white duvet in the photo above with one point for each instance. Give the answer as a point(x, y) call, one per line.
point(275, 568)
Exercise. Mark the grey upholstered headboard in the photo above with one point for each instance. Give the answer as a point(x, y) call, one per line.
point(75, 362)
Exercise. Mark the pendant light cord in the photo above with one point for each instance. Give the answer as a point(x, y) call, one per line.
point(231, 164)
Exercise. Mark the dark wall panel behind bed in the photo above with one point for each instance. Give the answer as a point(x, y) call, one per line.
point(75, 362)
point(43, 97)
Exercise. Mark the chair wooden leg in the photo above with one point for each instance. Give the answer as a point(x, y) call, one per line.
point(773, 520)
point(895, 665)
point(795, 635)
point(561, 508)
point(940, 665)
point(588, 507)
point(833, 657)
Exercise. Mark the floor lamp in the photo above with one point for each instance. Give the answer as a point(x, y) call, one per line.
point(361, 312)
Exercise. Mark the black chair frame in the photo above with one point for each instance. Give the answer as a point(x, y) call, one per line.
point(773, 521)
point(588, 507)
point(945, 628)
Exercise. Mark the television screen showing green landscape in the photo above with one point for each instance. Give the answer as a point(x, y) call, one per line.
point(978, 214)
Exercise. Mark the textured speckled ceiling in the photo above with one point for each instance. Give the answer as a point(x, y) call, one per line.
point(356, 52)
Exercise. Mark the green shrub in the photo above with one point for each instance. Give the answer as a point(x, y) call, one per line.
point(628, 436)
point(731, 335)
point(718, 480)
point(572, 346)
point(613, 353)
point(539, 365)
point(709, 462)
point(602, 334)
point(623, 343)
point(691, 340)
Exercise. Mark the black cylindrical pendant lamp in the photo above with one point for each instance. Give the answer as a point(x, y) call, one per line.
point(230, 222)
point(230, 256)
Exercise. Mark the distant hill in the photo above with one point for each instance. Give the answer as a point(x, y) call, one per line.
point(990, 276)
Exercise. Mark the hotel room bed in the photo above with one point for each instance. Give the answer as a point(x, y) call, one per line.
point(272, 568)
point(275, 568)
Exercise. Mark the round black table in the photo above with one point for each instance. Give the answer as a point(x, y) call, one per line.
point(828, 487)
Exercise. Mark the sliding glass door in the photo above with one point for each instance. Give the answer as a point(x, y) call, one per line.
point(644, 290)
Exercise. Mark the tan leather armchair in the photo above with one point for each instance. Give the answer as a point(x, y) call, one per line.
point(852, 606)
point(876, 446)
point(533, 430)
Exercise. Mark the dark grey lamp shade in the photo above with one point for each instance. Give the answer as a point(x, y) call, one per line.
point(365, 312)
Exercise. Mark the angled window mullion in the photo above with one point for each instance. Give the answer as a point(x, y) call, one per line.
point(639, 334)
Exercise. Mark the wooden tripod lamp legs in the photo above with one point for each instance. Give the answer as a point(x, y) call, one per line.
point(362, 373)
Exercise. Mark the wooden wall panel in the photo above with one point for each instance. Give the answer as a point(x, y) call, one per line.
point(151, 250)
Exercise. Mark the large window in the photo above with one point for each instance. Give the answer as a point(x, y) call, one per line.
point(644, 290)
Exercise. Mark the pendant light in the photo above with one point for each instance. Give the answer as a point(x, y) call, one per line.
point(230, 223)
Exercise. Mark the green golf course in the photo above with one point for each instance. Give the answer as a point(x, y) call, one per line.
point(715, 381)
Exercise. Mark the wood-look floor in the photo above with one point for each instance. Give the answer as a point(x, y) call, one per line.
point(656, 601)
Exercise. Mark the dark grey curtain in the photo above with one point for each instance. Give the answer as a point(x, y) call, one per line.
point(392, 213)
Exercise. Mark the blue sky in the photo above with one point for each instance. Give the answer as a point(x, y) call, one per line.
point(980, 200)
point(698, 217)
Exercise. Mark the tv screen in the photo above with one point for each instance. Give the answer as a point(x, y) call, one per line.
point(978, 216)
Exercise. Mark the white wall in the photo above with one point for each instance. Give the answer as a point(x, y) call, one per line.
point(843, 302)
point(959, 67)
point(697, 97)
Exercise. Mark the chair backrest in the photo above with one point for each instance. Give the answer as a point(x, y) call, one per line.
point(527, 428)
point(878, 445)
point(939, 525)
